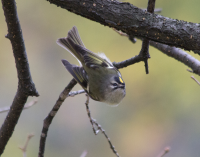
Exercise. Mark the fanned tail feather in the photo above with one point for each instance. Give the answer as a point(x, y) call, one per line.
point(68, 43)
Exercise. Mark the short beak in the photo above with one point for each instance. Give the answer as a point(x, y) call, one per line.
point(122, 86)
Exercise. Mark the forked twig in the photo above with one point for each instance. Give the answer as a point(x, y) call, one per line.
point(96, 131)
point(24, 148)
point(144, 52)
point(99, 128)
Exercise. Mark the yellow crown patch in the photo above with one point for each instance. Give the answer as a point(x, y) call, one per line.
point(120, 79)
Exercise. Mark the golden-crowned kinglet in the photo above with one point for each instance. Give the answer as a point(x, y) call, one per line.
point(96, 73)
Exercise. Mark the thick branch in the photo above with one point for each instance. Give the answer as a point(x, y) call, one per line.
point(136, 22)
point(26, 86)
point(171, 51)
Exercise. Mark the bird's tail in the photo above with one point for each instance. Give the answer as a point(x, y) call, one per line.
point(68, 43)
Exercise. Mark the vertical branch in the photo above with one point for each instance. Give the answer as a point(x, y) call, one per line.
point(145, 44)
point(144, 52)
point(26, 86)
point(151, 6)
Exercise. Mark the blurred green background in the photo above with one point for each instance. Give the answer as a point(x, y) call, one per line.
point(160, 109)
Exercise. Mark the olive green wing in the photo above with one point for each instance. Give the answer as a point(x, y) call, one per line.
point(90, 59)
point(80, 76)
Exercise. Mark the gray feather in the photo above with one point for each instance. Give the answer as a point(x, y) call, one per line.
point(78, 73)
point(75, 39)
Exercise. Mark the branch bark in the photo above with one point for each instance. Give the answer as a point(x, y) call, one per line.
point(171, 51)
point(26, 86)
point(52, 113)
point(136, 22)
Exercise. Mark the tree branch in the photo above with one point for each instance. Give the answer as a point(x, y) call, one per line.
point(171, 51)
point(145, 43)
point(73, 93)
point(64, 94)
point(136, 22)
point(26, 86)
point(99, 128)
point(49, 118)
point(179, 55)
point(128, 62)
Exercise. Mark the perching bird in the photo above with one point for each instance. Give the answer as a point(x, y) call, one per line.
point(96, 74)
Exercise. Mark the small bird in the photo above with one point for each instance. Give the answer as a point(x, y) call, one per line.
point(96, 73)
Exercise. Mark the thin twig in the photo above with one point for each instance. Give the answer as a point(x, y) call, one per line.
point(195, 80)
point(51, 115)
point(133, 40)
point(73, 93)
point(120, 32)
point(190, 71)
point(165, 151)
point(96, 131)
point(157, 10)
point(30, 104)
point(103, 131)
point(99, 128)
point(24, 148)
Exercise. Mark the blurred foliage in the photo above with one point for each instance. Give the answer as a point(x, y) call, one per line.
point(160, 109)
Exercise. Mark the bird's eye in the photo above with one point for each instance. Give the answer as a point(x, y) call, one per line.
point(114, 84)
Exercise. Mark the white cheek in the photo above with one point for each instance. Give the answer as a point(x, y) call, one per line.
point(111, 86)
